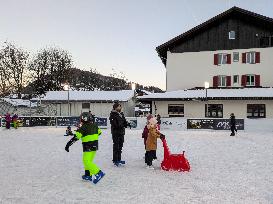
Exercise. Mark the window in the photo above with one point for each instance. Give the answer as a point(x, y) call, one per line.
point(231, 35)
point(235, 56)
point(236, 79)
point(250, 80)
point(85, 105)
point(256, 110)
point(214, 110)
point(250, 57)
point(176, 110)
point(222, 58)
point(222, 81)
point(266, 41)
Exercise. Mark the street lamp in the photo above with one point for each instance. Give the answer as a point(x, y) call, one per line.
point(206, 87)
point(206, 106)
point(66, 88)
point(133, 86)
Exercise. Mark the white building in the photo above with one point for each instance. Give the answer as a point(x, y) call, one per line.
point(233, 52)
point(100, 103)
point(217, 103)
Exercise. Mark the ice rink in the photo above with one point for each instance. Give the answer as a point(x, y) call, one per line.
point(35, 168)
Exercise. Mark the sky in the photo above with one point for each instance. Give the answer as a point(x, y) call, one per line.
point(111, 34)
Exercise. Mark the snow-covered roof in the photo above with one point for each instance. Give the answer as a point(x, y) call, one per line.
point(212, 94)
point(19, 102)
point(123, 95)
point(146, 92)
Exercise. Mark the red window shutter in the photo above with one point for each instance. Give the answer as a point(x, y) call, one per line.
point(228, 80)
point(229, 58)
point(257, 57)
point(215, 59)
point(243, 57)
point(215, 81)
point(257, 80)
point(243, 80)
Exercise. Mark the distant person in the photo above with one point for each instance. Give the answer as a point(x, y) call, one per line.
point(14, 120)
point(118, 125)
point(68, 131)
point(158, 118)
point(232, 124)
point(8, 120)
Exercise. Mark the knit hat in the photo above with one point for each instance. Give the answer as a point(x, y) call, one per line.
point(153, 121)
point(149, 116)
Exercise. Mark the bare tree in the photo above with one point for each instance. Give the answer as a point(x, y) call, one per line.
point(13, 69)
point(50, 68)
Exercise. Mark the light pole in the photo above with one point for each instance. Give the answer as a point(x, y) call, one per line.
point(133, 86)
point(206, 87)
point(66, 87)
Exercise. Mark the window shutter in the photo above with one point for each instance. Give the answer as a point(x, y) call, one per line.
point(243, 80)
point(229, 59)
point(215, 59)
point(243, 57)
point(215, 81)
point(257, 57)
point(228, 80)
point(257, 80)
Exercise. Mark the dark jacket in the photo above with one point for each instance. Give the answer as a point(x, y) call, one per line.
point(232, 122)
point(158, 118)
point(118, 123)
point(145, 134)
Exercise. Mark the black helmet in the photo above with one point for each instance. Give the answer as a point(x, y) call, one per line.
point(86, 117)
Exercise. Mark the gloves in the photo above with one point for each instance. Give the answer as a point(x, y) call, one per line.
point(70, 142)
point(67, 147)
point(162, 136)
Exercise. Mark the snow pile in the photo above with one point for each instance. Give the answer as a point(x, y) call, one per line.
point(213, 93)
point(36, 169)
point(124, 95)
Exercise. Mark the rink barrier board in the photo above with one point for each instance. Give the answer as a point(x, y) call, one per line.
point(27, 121)
point(214, 124)
point(136, 123)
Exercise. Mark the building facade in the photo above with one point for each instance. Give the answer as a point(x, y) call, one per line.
point(231, 49)
point(222, 69)
point(233, 52)
point(100, 103)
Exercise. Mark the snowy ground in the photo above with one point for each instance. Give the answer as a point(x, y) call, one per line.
point(35, 168)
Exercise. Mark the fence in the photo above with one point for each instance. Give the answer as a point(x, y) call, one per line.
point(31, 121)
point(166, 123)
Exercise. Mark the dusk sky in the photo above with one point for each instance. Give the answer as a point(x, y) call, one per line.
point(107, 34)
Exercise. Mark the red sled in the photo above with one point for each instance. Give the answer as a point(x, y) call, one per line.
point(174, 162)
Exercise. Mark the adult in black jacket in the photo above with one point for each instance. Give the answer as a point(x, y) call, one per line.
point(232, 124)
point(118, 125)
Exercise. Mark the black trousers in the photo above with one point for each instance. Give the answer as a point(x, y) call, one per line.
point(149, 157)
point(118, 141)
point(233, 129)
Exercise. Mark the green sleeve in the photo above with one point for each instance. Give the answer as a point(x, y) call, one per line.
point(99, 131)
point(78, 135)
